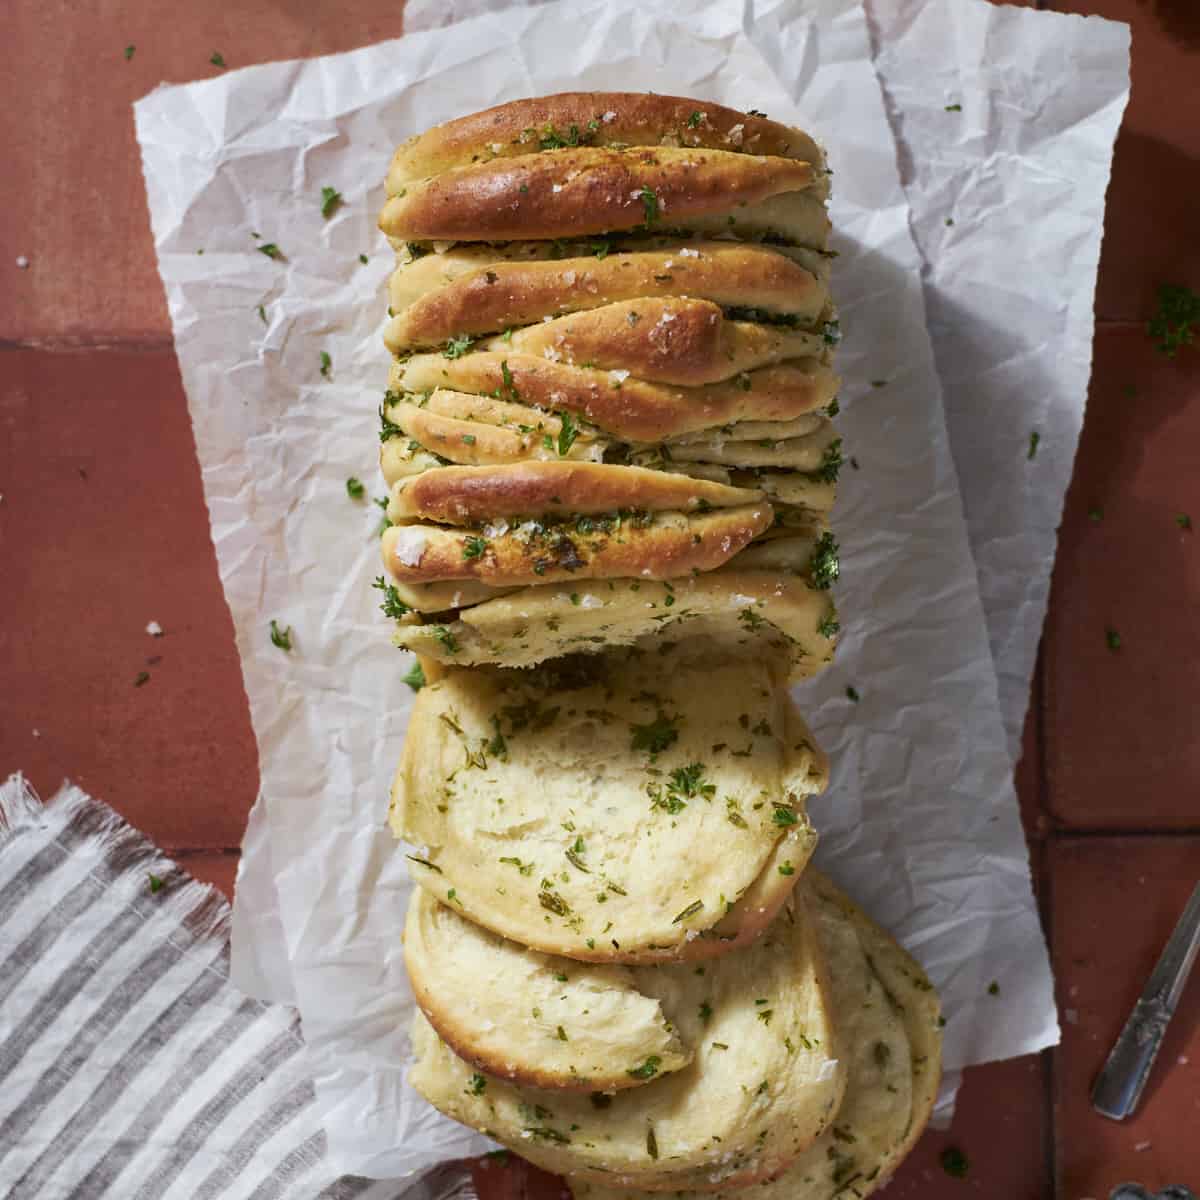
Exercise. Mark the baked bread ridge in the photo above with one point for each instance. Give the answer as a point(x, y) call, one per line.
point(532, 1018)
point(599, 118)
point(888, 1022)
point(606, 808)
point(776, 611)
point(658, 545)
point(480, 291)
point(765, 1081)
point(586, 190)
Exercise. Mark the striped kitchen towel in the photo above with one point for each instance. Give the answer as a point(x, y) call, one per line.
point(130, 1067)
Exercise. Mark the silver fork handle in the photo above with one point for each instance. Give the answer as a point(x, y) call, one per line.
point(1121, 1081)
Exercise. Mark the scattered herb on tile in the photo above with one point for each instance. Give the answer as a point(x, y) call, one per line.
point(217, 59)
point(129, 52)
point(1096, 514)
point(1112, 639)
point(281, 637)
point(1174, 324)
point(954, 1162)
point(1183, 521)
point(142, 677)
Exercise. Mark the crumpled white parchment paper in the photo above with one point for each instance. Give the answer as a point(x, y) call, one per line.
point(920, 823)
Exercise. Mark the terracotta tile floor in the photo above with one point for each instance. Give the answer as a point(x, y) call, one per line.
point(103, 529)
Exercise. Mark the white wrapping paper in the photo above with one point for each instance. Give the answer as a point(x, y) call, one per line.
point(920, 823)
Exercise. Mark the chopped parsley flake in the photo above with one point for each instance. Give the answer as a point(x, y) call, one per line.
point(786, 869)
point(509, 390)
point(693, 122)
point(852, 694)
point(993, 988)
point(831, 463)
point(1183, 521)
point(1096, 515)
point(477, 1085)
point(705, 1011)
point(141, 678)
point(362, 258)
point(156, 884)
point(415, 677)
point(954, 1162)
point(828, 626)
point(281, 637)
point(567, 434)
point(424, 862)
point(447, 639)
point(270, 250)
point(650, 205)
point(954, 108)
point(354, 488)
point(262, 314)
point(823, 567)
point(217, 59)
point(1174, 324)
point(553, 902)
point(1034, 439)
point(474, 547)
point(456, 347)
point(326, 364)
point(784, 816)
point(129, 51)
point(331, 198)
point(647, 1070)
point(391, 605)
point(691, 910)
point(1112, 639)
point(655, 736)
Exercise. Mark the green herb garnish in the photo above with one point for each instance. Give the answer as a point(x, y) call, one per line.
point(326, 364)
point(270, 250)
point(355, 488)
point(217, 59)
point(474, 546)
point(477, 1085)
point(281, 637)
point(391, 605)
point(1174, 325)
point(954, 1162)
point(567, 433)
point(331, 198)
point(456, 347)
point(647, 1070)
point(655, 736)
point(650, 205)
point(823, 567)
point(414, 677)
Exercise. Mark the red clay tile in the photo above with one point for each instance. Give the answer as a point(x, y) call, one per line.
point(1028, 777)
point(1121, 750)
point(104, 529)
point(72, 184)
point(218, 869)
point(1116, 901)
point(1150, 227)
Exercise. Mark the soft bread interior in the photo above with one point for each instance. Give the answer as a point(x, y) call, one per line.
point(765, 1080)
point(613, 808)
point(890, 1034)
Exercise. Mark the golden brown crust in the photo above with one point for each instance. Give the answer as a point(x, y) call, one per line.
point(805, 453)
point(631, 409)
point(630, 118)
point(586, 190)
point(665, 547)
point(680, 341)
point(473, 495)
point(504, 295)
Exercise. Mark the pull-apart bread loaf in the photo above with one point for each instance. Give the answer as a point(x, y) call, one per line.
point(609, 449)
point(762, 1079)
point(612, 382)
point(629, 807)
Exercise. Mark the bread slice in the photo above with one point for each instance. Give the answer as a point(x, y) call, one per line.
point(532, 1018)
point(654, 545)
point(890, 1033)
point(765, 1081)
point(625, 408)
point(544, 123)
point(486, 290)
point(481, 495)
point(728, 611)
point(617, 808)
point(586, 190)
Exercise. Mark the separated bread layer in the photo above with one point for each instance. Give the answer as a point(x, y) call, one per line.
point(674, 341)
point(523, 127)
point(621, 406)
point(478, 292)
point(535, 1019)
point(583, 190)
point(729, 611)
point(660, 545)
point(889, 1030)
point(476, 495)
point(612, 809)
point(765, 1081)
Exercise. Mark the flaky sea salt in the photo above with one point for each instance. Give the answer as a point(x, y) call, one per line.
point(409, 546)
point(154, 629)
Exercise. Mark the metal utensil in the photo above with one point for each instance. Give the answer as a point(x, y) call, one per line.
point(1119, 1085)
